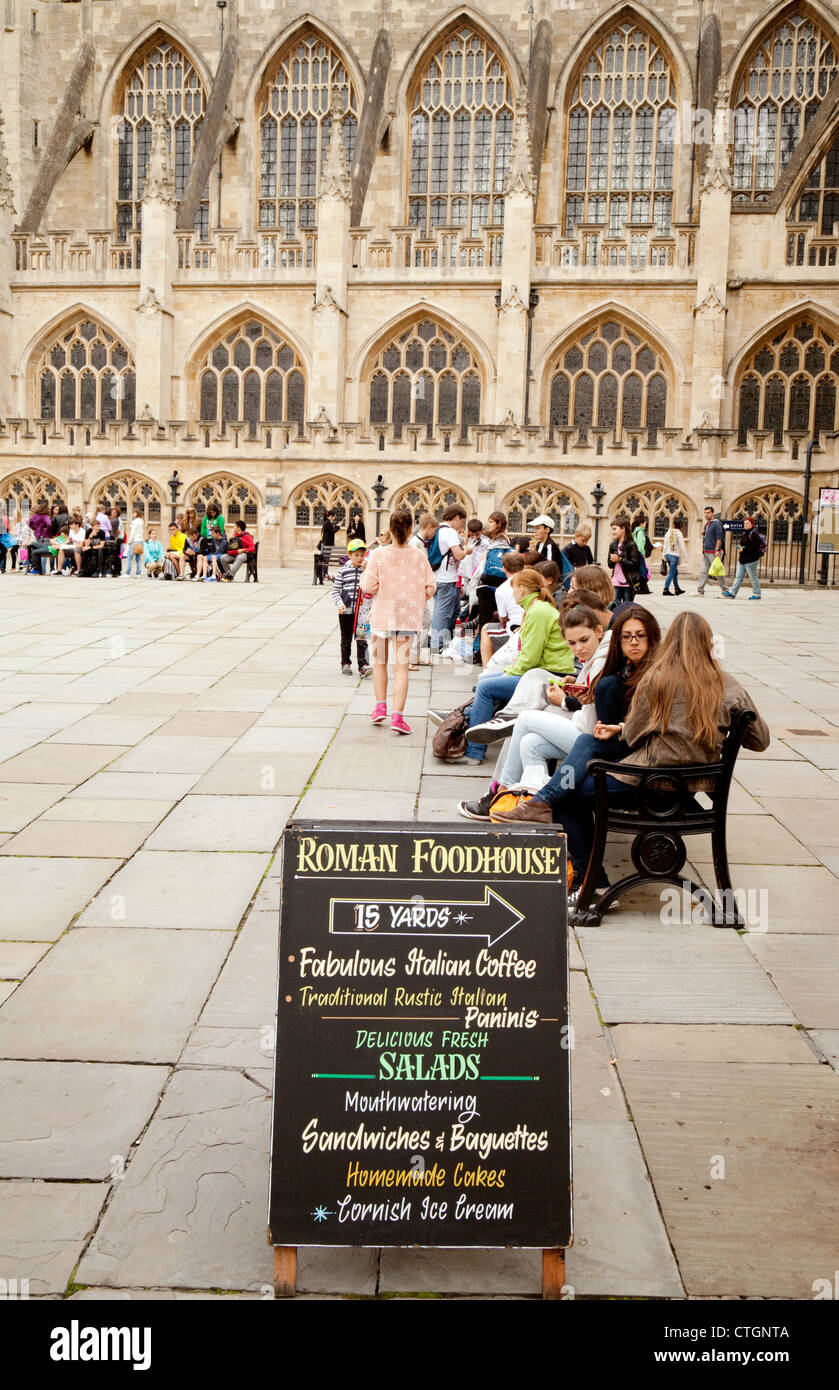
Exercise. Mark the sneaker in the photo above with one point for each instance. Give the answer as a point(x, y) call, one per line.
point(379, 714)
point(726, 593)
point(364, 670)
point(437, 716)
point(398, 725)
point(476, 810)
point(598, 893)
point(346, 669)
point(755, 598)
point(500, 726)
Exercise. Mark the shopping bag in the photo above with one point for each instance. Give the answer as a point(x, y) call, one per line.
point(716, 569)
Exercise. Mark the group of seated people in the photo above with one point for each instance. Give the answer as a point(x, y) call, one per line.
point(55, 541)
point(585, 677)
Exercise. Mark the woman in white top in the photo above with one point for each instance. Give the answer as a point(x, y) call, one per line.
point(674, 551)
point(135, 542)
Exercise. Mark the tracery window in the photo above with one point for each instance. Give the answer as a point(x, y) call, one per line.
point(432, 495)
point(790, 382)
point(782, 85)
point(127, 491)
point(658, 508)
point(86, 374)
point(425, 376)
point(778, 514)
point(294, 131)
point(461, 112)
point(621, 130)
point(30, 492)
point(236, 498)
point(539, 498)
point(609, 379)
point(312, 501)
point(251, 374)
point(819, 200)
point(165, 69)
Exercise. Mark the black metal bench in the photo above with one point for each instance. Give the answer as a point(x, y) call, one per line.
point(665, 811)
point(252, 567)
point(322, 561)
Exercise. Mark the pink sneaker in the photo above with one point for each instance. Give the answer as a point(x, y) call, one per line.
point(379, 714)
point(398, 725)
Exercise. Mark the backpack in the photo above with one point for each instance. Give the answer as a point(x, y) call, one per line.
point(493, 568)
point(435, 554)
point(449, 742)
point(762, 543)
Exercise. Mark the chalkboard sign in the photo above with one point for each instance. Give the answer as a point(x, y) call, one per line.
point(421, 1090)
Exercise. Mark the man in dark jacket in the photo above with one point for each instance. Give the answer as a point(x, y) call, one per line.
point(713, 539)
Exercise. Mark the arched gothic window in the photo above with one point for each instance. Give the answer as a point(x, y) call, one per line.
point(819, 201)
point(655, 507)
point(237, 499)
point(162, 68)
point(251, 374)
point(542, 498)
point(127, 491)
point(425, 376)
point(294, 129)
point(461, 112)
point(779, 92)
point(621, 130)
point(311, 502)
point(30, 492)
point(779, 516)
point(608, 379)
point(86, 374)
point(790, 382)
point(432, 495)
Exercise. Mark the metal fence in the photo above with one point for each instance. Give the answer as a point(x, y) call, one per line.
point(782, 561)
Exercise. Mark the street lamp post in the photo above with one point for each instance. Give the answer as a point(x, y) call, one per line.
point(174, 488)
point(379, 490)
point(598, 492)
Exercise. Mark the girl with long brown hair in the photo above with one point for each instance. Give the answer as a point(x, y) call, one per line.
point(681, 711)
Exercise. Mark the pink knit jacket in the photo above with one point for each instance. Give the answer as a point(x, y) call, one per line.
point(401, 579)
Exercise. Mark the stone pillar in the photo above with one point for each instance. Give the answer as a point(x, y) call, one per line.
point(154, 312)
point(712, 244)
point(329, 313)
point(513, 308)
point(7, 218)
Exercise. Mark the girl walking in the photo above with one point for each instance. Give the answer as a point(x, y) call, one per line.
point(674, 552)
point(400, 579)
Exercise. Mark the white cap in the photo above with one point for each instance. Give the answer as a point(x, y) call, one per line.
point(541, 521)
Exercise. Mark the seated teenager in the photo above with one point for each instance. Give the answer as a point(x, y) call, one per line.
point(153, 554)
point(680, 714)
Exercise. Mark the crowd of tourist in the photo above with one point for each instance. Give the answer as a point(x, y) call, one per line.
point(56, 541)
point(574, 667)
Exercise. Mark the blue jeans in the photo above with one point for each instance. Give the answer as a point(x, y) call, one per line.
point(672, 573)
point(571, 774)
point(138, 560)
point(488, 691)
point(577, 820)
point(742, 571)
point(446, 605)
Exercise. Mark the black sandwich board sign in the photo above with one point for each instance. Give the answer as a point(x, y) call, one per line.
point(422, 1086)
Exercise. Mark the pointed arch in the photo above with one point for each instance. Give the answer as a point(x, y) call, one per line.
point(462, 14)
point(430, 494)
point(247, 368)
point(544, 495)
point(127, 490)
point(104, 353)
point(286, 37)
point(292, 124)
point(423, 372)
point(816, 10)
point(458, 96)
point(310, 501)
point(788, 380)
point(620, 94)
point(32, 486)
point(135, 47)
point(659, 504)
point(826, 318)
point(232, 318)
point(239, 498)
point(422, 308)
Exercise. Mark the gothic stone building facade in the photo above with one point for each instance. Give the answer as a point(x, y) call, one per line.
point(488, 257)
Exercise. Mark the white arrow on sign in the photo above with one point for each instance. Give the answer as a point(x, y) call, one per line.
point(490, 917)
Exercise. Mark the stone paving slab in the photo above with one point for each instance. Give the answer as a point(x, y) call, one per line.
point(121, 809)
point(510, 1272)
point(828, 1040)
point(299, 716)
point(661, 1042)
point(187, 755)
point(17, 958)
point(49, 718)
point(757, 840)
point(245, 994)
point(224, 823)
point(135, 786)
point(7, 987)
point(278, 739)
point(815, 822)
point(113, 994)
point(187, 890)
point(63, 765)
point(121, 729)
point(44, 895)
point(395, 768)
point(191, 1210)
point(678, 975)
point(767, 1228)
point(20, 804)
point(259, 774)
point(787, 899)
point(72, 1119)
point(92, 840)
point(197, 723)
point(805, 970)
point(43, 1230)
point(333, 803)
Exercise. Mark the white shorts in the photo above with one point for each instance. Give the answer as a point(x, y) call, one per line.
point(399, 632)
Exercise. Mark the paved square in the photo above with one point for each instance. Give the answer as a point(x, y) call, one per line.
point(155, 739)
